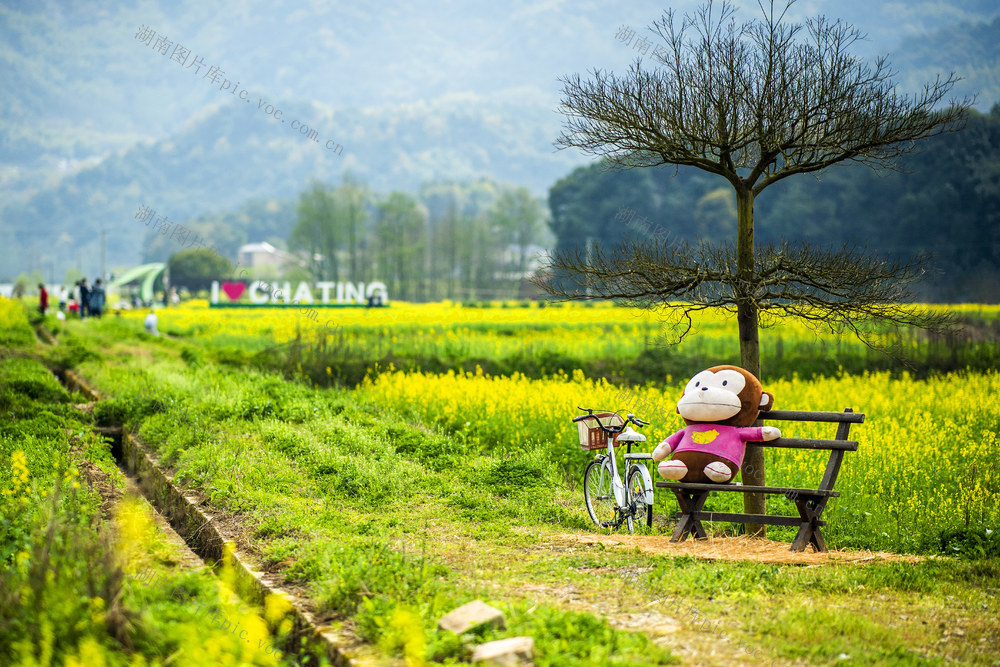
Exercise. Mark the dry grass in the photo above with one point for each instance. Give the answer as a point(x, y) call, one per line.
point(741, 548)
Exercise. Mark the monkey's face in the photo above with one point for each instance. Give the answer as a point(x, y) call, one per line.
point(712, 396)
point(727, 395)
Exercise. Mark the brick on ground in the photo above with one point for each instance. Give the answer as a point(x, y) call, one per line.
point(506, 652)
point(471, 615)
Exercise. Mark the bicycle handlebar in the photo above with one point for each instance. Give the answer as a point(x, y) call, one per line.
point(610, 429)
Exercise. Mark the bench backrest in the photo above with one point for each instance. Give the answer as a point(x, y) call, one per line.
point(837, 446)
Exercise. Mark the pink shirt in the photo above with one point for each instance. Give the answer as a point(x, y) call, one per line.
point(729, 442)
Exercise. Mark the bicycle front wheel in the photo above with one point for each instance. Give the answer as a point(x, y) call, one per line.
point(598, 495)
point(637, 489)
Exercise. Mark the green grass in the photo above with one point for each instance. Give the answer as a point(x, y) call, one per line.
point(386, 521)
point(67, 591)
point(389, 524)
point(322, 488)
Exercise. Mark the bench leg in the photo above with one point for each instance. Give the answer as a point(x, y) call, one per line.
point(690, 502)
point(810, 510)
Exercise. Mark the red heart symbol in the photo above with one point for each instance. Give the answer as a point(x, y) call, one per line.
point(233, 290)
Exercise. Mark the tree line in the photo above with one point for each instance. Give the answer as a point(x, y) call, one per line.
point(460, 241)
point(943, 202)
point(450, 242)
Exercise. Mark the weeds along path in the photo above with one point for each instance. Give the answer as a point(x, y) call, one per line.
point(209, 538)
point(387, 523)
point(739, 548)
point(114, 489)
point(87, 576)
point(144, 493)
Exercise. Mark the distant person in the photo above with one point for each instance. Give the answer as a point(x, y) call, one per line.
point(84, 298)
point(63, 297)
point(151, 324)
point(43, 299)
point(97, 299)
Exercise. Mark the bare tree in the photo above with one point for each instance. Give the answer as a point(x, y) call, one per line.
point(754, 102)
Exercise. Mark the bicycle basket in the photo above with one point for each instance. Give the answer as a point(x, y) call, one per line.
point(591, 434)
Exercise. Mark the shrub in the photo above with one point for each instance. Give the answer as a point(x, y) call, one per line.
point(970, 542)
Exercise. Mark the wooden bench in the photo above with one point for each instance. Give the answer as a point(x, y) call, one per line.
point(810, 502)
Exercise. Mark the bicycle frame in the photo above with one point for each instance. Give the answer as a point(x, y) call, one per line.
point(625, 503)
point(619, 489)
point(623, 491)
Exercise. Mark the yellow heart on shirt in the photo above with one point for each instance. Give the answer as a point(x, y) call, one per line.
point(704, 437)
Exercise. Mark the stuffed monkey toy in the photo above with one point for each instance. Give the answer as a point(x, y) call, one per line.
point(718, 406)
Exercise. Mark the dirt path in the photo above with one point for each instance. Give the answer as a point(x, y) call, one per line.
point(630, 607)
point(741, 548)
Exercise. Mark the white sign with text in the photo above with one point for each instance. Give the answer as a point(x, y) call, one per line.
point(262, 293)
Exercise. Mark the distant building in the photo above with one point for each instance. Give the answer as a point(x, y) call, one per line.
point(534, 258)
point(260, 255)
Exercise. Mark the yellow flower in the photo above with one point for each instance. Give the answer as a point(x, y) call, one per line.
point(20, 474)
point(275, 608)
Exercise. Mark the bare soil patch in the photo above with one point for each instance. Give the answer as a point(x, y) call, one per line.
point(740, 548)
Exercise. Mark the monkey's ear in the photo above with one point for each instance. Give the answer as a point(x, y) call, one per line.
point(766, 401)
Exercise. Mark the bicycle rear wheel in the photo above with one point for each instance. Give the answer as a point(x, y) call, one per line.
point(597, 494)
point(637, 489)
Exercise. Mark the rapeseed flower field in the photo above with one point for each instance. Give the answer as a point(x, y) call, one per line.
point(443, 474)
point(924, 462)
point(625, 344)
point(923, 466)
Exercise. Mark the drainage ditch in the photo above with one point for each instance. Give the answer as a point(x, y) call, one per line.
point(197, 528)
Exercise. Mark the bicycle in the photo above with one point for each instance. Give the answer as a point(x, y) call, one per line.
point(609, 501)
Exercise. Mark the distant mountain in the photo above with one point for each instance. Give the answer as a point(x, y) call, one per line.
point(232, 154)
point(96, 122)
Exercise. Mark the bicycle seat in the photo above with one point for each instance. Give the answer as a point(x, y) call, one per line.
point(628, 435)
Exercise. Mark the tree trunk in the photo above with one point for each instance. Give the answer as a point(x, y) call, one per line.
point(746, 317)
point(354, 214)
point(428, 278)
